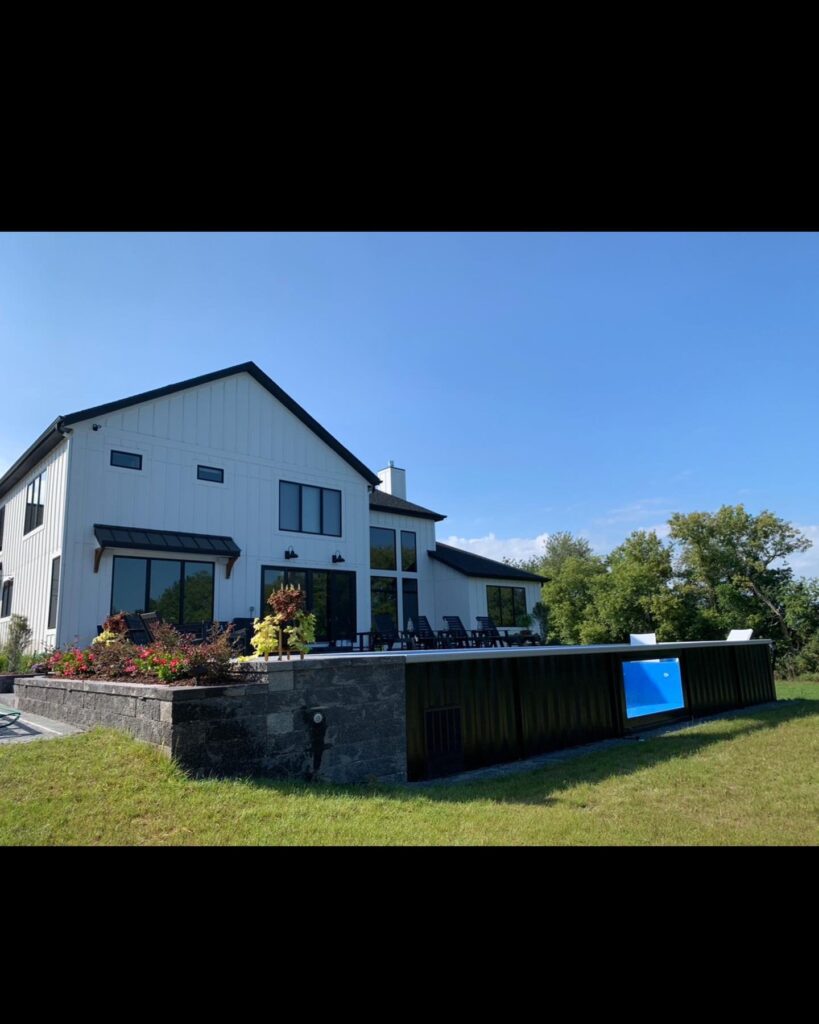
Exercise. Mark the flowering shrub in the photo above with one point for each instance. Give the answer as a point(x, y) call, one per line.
point(171, 657)
point(72, 664)
point(167, 666)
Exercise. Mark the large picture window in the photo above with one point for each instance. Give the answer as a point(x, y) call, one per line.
point(506, 606)
point(179, 591)
point(382, 548)
point(35, 503)
point(306, 509)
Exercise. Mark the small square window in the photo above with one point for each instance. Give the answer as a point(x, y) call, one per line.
point(126, 460)
point(212, 473)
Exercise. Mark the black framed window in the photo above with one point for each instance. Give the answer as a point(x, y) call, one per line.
point(2, 524)
point(382, 548)
point(329, 595)
point(409, 598)
point(409, 551)
point(506, 606)
point(307, 509)
point(35, 503)
point(52, 600)
point(126, 460)
point(212, 473)
point(5, 602)
point(384, 597)
point(179, 591)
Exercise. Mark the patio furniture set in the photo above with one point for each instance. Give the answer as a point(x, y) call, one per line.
point(421, 636)
point(386, 635)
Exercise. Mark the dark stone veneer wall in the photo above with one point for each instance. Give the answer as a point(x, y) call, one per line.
point(258, 727)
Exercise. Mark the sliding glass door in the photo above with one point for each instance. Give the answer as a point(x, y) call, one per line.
point(330, 596)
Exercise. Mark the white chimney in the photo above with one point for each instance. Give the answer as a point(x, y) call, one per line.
point(393, 481)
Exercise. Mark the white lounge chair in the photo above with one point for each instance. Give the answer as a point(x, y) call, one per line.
point(642, 638)
point(740, 634)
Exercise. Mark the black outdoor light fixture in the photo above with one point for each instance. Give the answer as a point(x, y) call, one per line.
point(338, 557)
point(290, 553)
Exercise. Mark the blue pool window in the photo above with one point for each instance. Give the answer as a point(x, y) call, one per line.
point(652, 687)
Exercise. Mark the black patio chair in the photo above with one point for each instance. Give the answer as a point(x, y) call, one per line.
point(386, 632)
point(423, 634)
point(137, 630)
point(455, 635)
point(489, 633)
point(240, 637)
point(149, 620)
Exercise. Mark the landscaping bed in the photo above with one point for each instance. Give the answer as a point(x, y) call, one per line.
point(171, 658)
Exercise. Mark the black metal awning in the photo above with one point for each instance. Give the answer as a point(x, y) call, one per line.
point(167, 541)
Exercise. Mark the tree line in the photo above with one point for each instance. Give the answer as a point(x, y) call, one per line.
point(716, 571)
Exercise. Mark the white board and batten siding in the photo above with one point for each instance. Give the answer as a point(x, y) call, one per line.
point(233, 424)
point(27, 557)
point(465, 596)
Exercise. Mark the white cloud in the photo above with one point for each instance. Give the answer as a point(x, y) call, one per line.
point(637, 511)
point(499, 548)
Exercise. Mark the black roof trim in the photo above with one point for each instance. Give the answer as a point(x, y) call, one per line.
point(261, 378)
point(380, 501)
point(470, 564)
point(177, 541)
point(46, 442)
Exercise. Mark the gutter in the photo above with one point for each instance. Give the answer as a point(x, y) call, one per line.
point(48, 440)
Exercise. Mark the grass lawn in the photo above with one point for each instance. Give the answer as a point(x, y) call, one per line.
point(753, 779)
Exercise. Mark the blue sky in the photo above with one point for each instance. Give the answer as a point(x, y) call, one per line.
point(527, 382)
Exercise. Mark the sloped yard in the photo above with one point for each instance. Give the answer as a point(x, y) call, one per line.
point(753, 779)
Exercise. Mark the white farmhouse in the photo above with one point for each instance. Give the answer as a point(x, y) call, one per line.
point(197, 498)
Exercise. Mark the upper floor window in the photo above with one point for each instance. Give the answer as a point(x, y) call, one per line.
point(409, 553)
point(382, 548)
point(506, 606)
point(2, 522)
point(212, 473)
point(307, 509)
point(5, 603)
point(126, 460)
point(35, 503)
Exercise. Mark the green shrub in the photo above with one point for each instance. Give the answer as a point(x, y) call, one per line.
point(18, 638)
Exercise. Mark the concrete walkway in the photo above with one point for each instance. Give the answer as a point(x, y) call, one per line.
point(498, 771)
point(30, 727)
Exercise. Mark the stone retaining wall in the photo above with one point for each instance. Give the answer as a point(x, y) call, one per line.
point(260, 727)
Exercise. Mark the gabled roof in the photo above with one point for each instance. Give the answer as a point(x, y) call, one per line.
point(52, 435)
point(380, 501)
point(476, 565)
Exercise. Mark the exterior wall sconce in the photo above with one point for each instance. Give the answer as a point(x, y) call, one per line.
point(337, 557)
point(290, 553)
